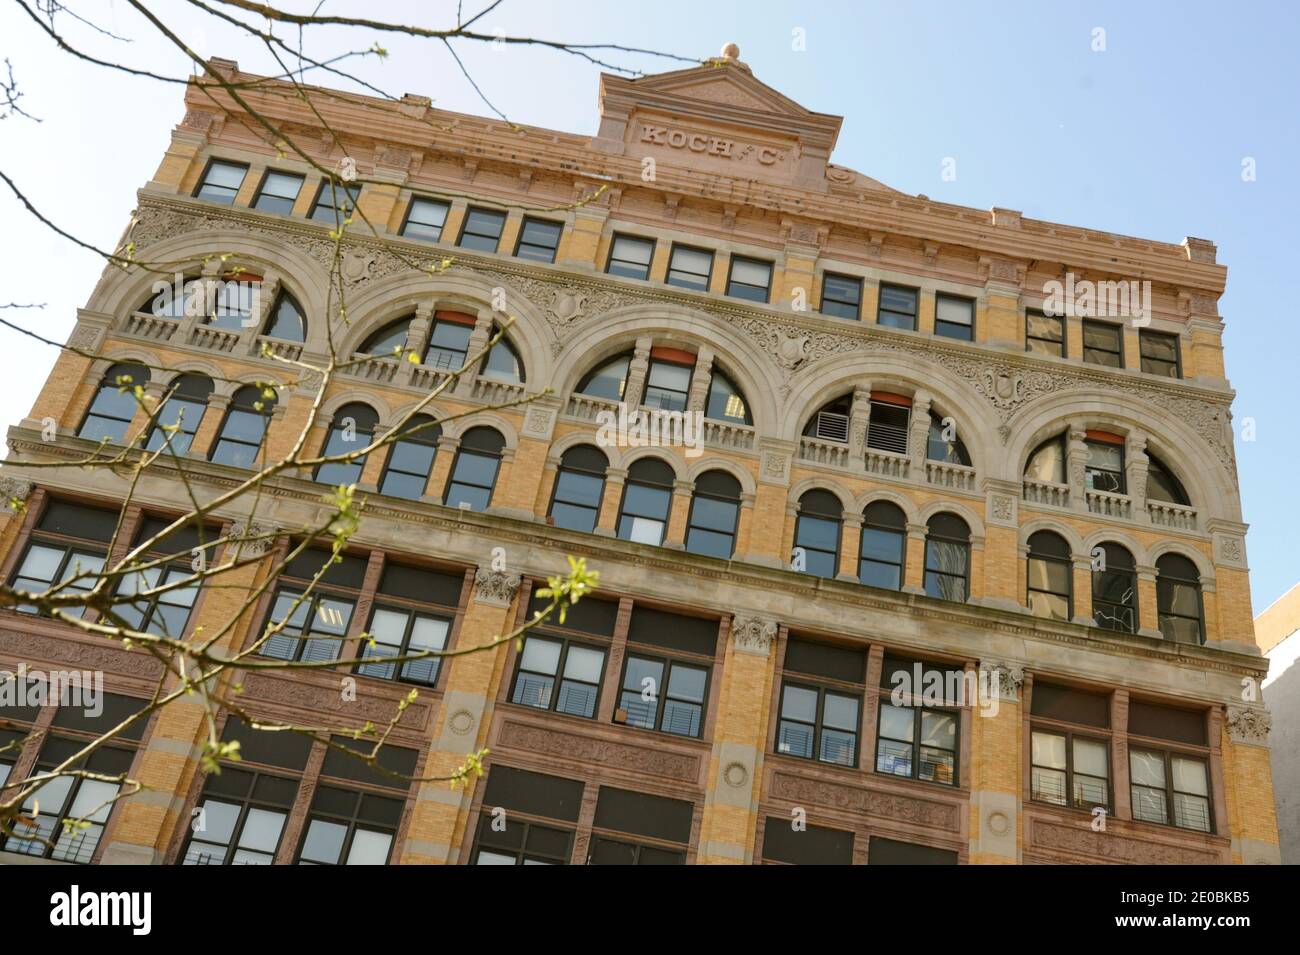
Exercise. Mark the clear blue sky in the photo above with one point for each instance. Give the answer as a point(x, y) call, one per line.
point(1146, 139)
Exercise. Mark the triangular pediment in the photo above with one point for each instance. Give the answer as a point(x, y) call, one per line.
point(723, 83)
point(718, 119)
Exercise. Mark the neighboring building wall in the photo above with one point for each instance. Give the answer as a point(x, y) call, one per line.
point(1278, 631)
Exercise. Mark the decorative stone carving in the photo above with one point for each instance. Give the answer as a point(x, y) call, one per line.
point(13, 491)
point(803, 791)
point(753, 634)
point(544, 741)
point(1083, 841)
point(1003, 508)
point(1005, 679)
point(735, 775)
point(538, 420)
point(261, 534)
point(356, 266)
point(1249, 725)
point(1231, 549)
point(495, 587)
point(85, 337)
point(775, 466)
point(461, 722)
point(1005, 383)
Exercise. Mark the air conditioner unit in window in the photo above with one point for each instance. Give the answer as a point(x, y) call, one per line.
point(830, 426)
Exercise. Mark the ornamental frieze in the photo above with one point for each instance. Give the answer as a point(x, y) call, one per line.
point(608, 753)
point(1110, 847)
point(568, 302)
point(803, 791)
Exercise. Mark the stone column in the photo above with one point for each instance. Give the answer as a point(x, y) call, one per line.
point(1247, 781)
point(728, 826)
point(1082, 590)
point(679, 509)
point(918, 435)
point(1076, 462)
point(859, 422)
point(607, 521)
point(1148, 613)
point(638, 368)
point(850, 546)
point(701, 378)
point(914, 572)
point(1135, 467)
point(995, 766)
point(257, 322)
point(439, 821)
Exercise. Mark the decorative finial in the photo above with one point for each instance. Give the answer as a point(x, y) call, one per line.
point(730, 52)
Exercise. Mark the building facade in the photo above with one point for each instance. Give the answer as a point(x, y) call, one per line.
point(1277, 631)
point(907, 476)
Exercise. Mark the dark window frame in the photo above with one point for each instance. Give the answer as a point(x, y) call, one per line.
point(265, 414)
point(902, 547)
point(1030, 589)
point(246, 803)
point(1130, 571)
point(821, 686)
point(351, 822)
point(610, 260)
point(464, 228)
point(261, 189)
point(1169, 580)
point(1118, 329)
point(1070, 733)
point(915, 743)
point(567, 641)
point(522, 853)
point(410, 208)
point(970, 302)
point(415, 611)
point(350, 194)
point(930, 536)
point(426, 437)
point(691, 525)
point(1163, 748)
point(855, 280)
point(708, 278)
point(1063, 347)
point(732, 281)
point(520, 242)
point(916, 306)
point(669, 660)
point(1145, 335)
point(203, 180)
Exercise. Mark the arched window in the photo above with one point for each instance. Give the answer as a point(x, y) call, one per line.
point(947, 558)
point(187, 400)
point(726, 403)
point(715, 511)
point(352, 429)
point(1047, 463)
point(607, 380)
point(1114, 589)
point(1178, 598)
point(647, 500)
point(884, 541)
point(245, 427)
point(474, 473)
point(503, 363)
point(579, 488)
point(114, 406)
point(1162, 485)
point(944, 444)
point(817, 533)
point(389, 341)
point(411, 458)
point(166, 303)
point(1050, 577)
point(231, 302)
point(286, 321)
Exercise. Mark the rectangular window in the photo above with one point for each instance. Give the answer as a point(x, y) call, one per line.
point(954, 317)
point(690, 268)
point(1044, 334)
point(221, 181)
point(821, 703)
point(1105, 468)
point(897, 307)
point(539, 240)
point(536, 827)
point(559, 674)
point(750, 279)
point(312, 625)
point(630, 256)
point(156, 608)
point(887, 426)
point(1103, 344)
point(667, 385)
point(1160, 354)
point(69, 799)
point(345, 827)
point(245, 806)
point(639, 829)
point(482, 229)
point(335, 202)
point(278, 192)
point(666, 673)
point(841, 296)
point(783, 844)
point(68, 548)
point(1070, 770)
point(914, 738)
point(413, 613)
point(425, 219)
point(1170, 788)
